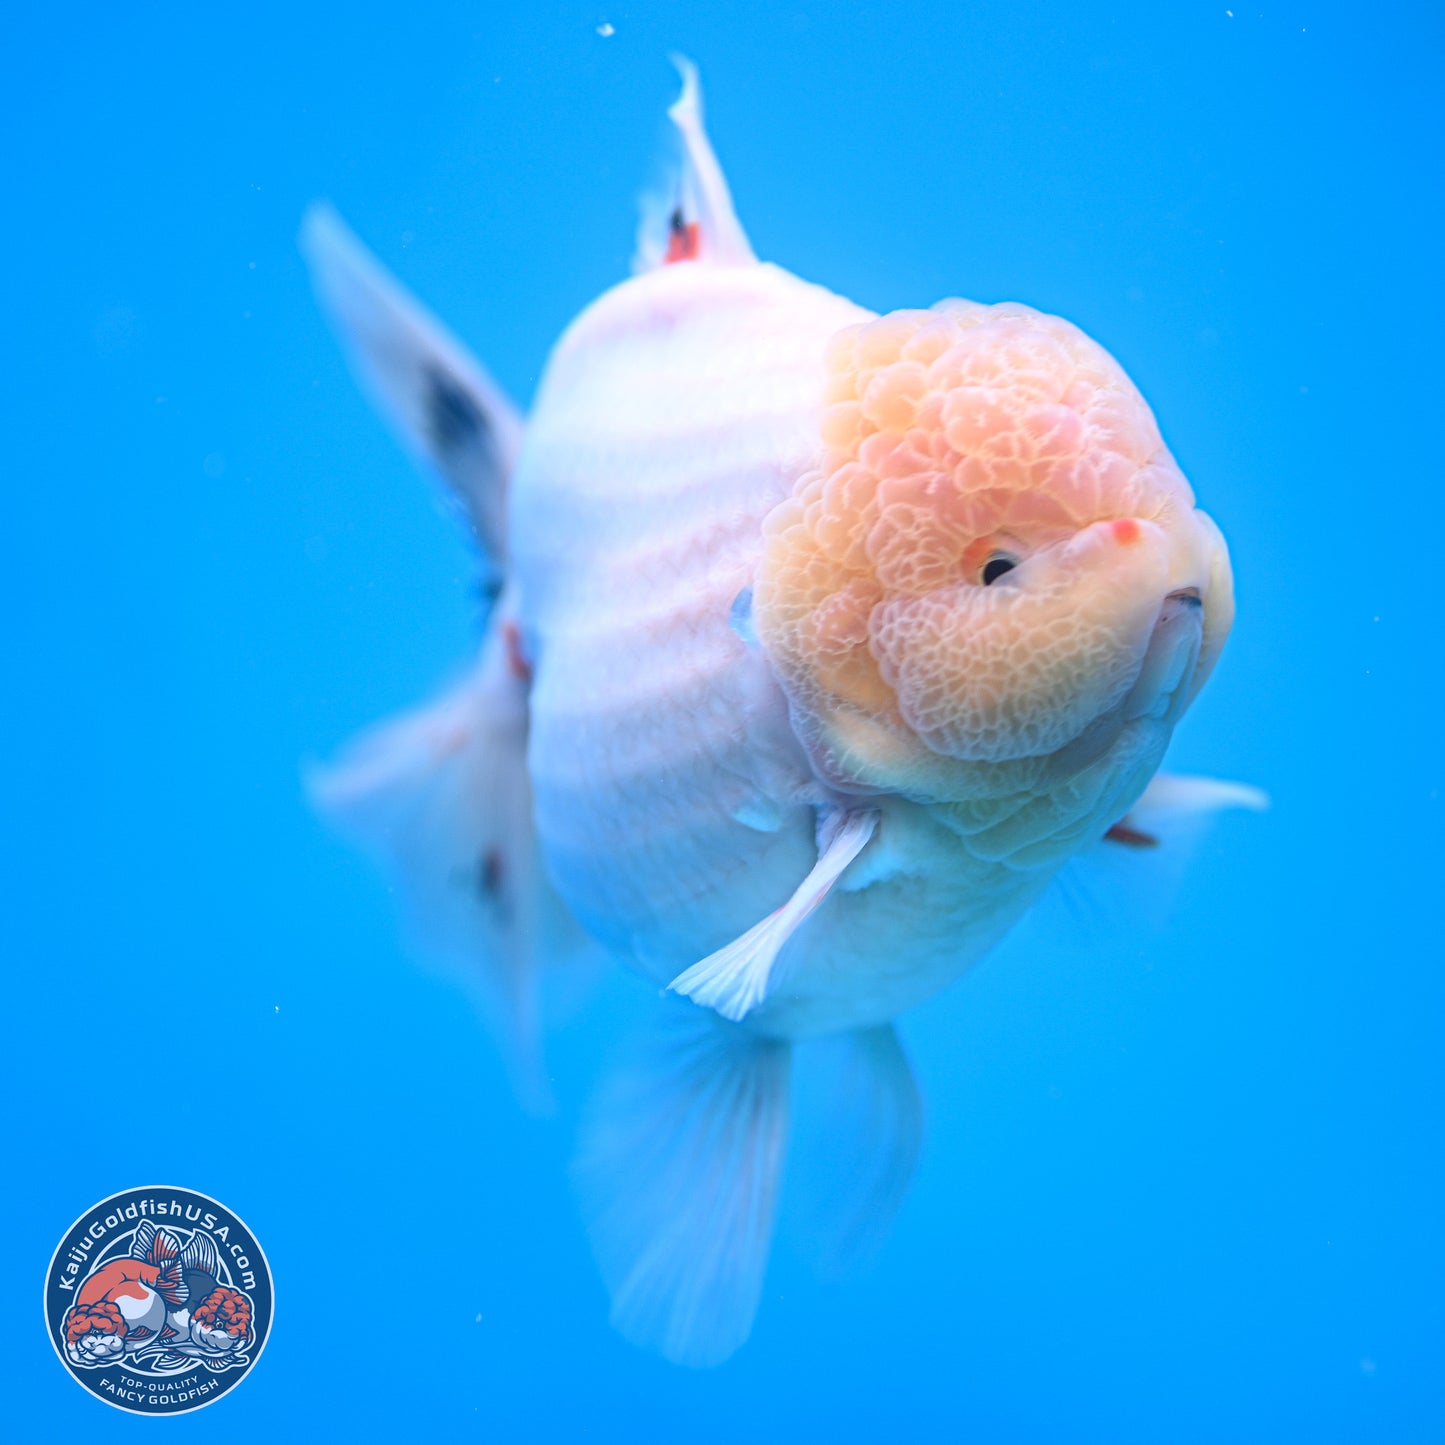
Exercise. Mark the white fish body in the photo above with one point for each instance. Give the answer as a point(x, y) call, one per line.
point(815, 806)
point(673, 801)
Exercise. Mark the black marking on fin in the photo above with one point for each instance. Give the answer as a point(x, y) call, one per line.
point(454, 421)
point(490, 873)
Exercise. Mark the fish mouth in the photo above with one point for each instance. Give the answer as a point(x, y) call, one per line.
point(1161, 687)
point(1185, 597)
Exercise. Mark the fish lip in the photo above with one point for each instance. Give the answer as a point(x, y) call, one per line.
point(1178, 634)
point(1176, 628)
point(1189, 596)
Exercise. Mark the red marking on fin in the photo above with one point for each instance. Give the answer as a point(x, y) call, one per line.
point(139, 1332)
point(168, 1333)
point(1131, 837)
point(684, 240)
point(164, 1247)
point(170, 1286)
point(517, 663)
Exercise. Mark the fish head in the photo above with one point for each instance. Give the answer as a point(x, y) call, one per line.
point(996, 573)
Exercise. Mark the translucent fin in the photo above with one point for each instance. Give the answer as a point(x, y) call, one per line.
point(735, 979)
point(678, 1170)
point(447, 410)
point(692, 219)
point(860, 1127)
point(442, 796)
point(1134, 873)
point(1174, 803)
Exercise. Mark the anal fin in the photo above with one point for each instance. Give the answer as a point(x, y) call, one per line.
point(859, 1131)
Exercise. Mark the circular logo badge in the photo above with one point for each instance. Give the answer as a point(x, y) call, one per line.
point(158, 1300)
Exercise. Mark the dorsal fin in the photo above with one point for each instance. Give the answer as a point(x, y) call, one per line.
point(693, 219)
point(435, 393)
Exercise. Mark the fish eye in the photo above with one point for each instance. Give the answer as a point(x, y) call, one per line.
point(997, 564)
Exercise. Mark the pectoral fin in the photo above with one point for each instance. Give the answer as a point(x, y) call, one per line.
point(1134, 873)
point(1173, 801)
point(735, 979)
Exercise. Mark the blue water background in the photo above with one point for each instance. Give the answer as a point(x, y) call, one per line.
point(1178, 1185)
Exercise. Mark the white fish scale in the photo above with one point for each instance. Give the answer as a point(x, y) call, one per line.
point(675, 413)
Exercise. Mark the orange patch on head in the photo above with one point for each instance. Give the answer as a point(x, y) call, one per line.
point(947, 436)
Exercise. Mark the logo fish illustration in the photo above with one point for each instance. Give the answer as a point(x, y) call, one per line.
point(158, 1318)
point(145, 1299)
point(819, 642)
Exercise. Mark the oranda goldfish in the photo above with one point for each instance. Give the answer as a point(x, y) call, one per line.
point(162, 1295)
point(821, 641)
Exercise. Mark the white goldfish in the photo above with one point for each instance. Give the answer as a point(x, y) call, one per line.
point(821, 642)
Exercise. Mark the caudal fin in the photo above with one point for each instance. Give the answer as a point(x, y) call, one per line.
point(438, 397)
point(678, 1171)
point(171, 1283)
point(442, 797)
point(200, 1254)
point(154, 1246)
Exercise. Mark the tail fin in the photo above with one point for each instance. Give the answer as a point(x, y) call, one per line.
point(200, 1254)
point(678, 1171)
point(442, 796)
point(154, 1246)
point(170, 1282)
point(446, 408)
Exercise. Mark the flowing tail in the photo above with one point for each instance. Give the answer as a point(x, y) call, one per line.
point(442, 796)
point(441, 793)
point(680, 1165)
